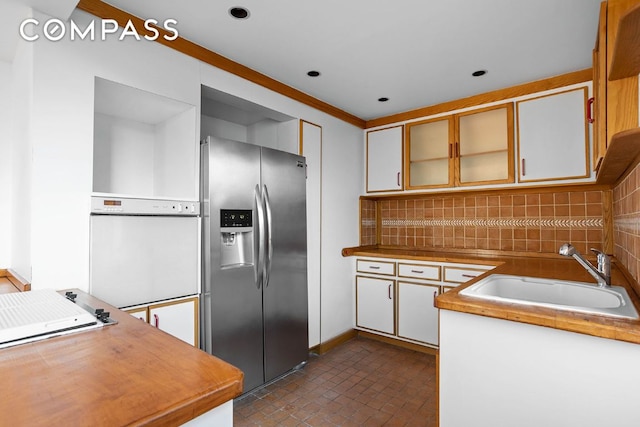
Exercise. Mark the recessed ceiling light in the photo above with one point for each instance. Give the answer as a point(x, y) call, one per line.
point(313, 73)
point(239, 12)
point(479, 73)
point(383, 99)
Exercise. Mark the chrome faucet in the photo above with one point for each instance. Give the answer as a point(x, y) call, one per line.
point(602, 273)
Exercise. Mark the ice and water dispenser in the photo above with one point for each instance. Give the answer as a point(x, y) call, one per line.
point(236, 234)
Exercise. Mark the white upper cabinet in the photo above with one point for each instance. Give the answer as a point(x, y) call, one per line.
point(553, 137)
point(384, 159)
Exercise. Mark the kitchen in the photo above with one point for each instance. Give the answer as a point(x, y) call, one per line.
point(49, 245)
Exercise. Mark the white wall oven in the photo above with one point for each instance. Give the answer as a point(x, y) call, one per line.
point(143, 250)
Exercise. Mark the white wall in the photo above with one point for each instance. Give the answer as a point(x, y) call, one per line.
point(6, 167)
point(54, 180)
point(212, 126)
point(342, 184)
point(62, 135)
point(21, 160)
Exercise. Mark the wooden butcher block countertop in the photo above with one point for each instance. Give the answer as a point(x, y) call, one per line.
point(552, 267)
point(124, 374)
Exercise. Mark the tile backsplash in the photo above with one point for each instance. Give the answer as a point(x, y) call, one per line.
point(537, 221)
point(367, 222)
point(626, 222)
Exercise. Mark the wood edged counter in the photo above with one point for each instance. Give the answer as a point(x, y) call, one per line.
point(129, 373)
point(549, 267)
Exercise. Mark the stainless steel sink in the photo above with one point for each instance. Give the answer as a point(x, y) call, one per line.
point(559, 294)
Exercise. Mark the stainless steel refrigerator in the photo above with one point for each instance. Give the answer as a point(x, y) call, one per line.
point(254, 287)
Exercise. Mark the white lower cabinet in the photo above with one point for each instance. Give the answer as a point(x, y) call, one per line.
point(375, 304)
point(396, 298)
point(178, 317)
point(417, 314)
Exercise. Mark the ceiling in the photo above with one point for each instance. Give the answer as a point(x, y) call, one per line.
point(415, 52)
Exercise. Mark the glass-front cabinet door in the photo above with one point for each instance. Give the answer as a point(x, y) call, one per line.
point(470, 148)
point(430, 153)
point(484, 147)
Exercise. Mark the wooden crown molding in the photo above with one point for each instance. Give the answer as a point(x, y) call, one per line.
point(105, 11)
point(485, 98)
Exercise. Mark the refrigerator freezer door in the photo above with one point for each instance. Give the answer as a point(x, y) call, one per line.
point(285, 288)
point(232, 306)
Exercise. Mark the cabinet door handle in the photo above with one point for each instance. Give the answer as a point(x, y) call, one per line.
point(156, 321)
point(398, 179)
point(389, 291)
point(523, 170)
point(590, 116)
point(457, 149)
point(450, 151)
point(435, 294)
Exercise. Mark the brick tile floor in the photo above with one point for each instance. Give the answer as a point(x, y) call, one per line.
point(360, 383)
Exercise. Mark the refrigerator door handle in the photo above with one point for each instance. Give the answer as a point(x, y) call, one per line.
point(269, 246)
point(258, 239)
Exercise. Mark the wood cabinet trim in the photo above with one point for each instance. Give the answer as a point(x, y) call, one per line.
point(407, 151)
point(510, 144)
point(449, 267)
point(625, 61)
point(375, 272)
point(622, 154)
point(454, 144)
point(402, 160)
point(399, 283)
point(301, 136)
point(395, 305)
point(600, 89)
point(622, 94)
point(146, 308)
point(586, 174)
point(437, 266)
point(196, 313)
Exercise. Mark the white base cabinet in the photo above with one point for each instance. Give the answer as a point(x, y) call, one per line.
point(417, 314)
point(396, 298)
point(375, 304)
point(178, 317)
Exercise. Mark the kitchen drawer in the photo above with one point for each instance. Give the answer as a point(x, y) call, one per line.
point(387, 268)
point(462, 275)
point(419, 271)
